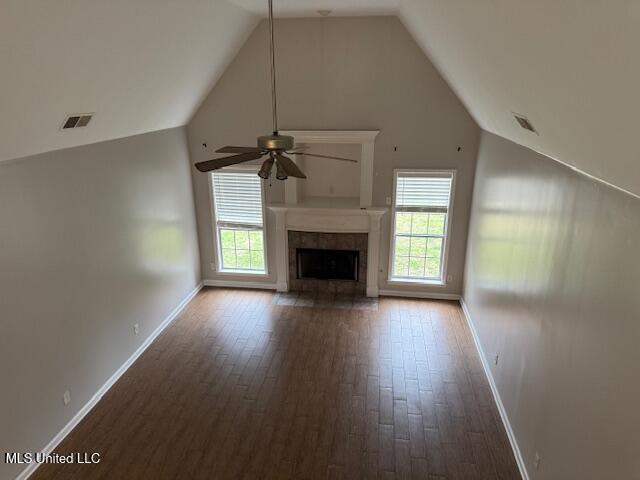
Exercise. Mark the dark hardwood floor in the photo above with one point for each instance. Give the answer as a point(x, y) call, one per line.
point(241, 387)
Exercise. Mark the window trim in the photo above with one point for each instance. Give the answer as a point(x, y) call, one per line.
point(447, 232)
point(217, 250)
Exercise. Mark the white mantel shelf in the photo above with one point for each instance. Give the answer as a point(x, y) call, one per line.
point(319, 208)
point(328, 216)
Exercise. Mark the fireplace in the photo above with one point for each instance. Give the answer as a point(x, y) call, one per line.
point(328, 225)
point(325, 264)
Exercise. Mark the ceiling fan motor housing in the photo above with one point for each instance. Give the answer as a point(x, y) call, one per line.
point(275, 142)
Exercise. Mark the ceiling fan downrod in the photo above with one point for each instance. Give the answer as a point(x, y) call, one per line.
point(272, 48)
point(275, 145)
point(275, 141)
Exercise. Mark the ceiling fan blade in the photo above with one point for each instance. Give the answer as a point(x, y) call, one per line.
point(289, 166)
point(327, 156)
point(301, 147)
point(217, 163)
point(230, 149)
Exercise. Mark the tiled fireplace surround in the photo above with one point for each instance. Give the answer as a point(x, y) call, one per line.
point(333, 241)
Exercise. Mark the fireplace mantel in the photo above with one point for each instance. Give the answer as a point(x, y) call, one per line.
point(335, 218)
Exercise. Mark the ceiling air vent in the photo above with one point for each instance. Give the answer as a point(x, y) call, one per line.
point(77, 120)
point(525, 123)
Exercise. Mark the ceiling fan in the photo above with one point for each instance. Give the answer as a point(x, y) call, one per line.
point(274, 146)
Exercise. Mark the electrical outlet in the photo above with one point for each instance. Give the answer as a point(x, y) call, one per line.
point(388, 200)
point(136, 329)
point(449, 278)
point(536, 461)
point(496, 358)
point(66, 398)
point(213, 266)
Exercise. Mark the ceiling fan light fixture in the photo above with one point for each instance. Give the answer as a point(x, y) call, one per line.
point(265, 170)
point(280, 173)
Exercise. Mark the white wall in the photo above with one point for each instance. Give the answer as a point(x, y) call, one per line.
point(331, 178)
point(357, 73)
point(140, 66)
point(552, 284)
point(93, 239)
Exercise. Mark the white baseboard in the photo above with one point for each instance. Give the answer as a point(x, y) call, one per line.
point(496, 395)
point(27, 472)
point(239, 284)
point(282, 288)
point(416, 294)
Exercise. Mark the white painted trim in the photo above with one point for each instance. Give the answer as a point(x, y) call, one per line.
point(411, 282)
point(416, 294)
point(364, 138)
point(367, 156)
point(332, 136)
point(282, 251)
point(242, 273)
point(327, 220)
point(333, 211)
point(373, 255)
point(217, 250)
point(447, 234)
point(496, 394)
point(239, 284)
point(27, 472)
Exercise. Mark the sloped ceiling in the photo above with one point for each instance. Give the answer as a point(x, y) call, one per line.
point(571, 66)
point(140, 65)
point(304, 8)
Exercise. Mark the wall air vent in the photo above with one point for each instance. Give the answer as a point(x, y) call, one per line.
point(77, 120)
point(525, 123)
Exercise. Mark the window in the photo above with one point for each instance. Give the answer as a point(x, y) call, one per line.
point(421, 209)
point(239, 221)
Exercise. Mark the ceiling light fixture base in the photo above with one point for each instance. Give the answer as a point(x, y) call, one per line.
point(275, 142)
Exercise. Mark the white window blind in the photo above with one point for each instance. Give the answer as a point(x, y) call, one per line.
point(238, 199)
point(420, 192)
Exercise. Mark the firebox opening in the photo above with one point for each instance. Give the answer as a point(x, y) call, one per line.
point(327, 264)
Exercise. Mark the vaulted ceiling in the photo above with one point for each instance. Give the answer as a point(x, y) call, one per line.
point(140, 65)
point(572, 67)
point(303, 8)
